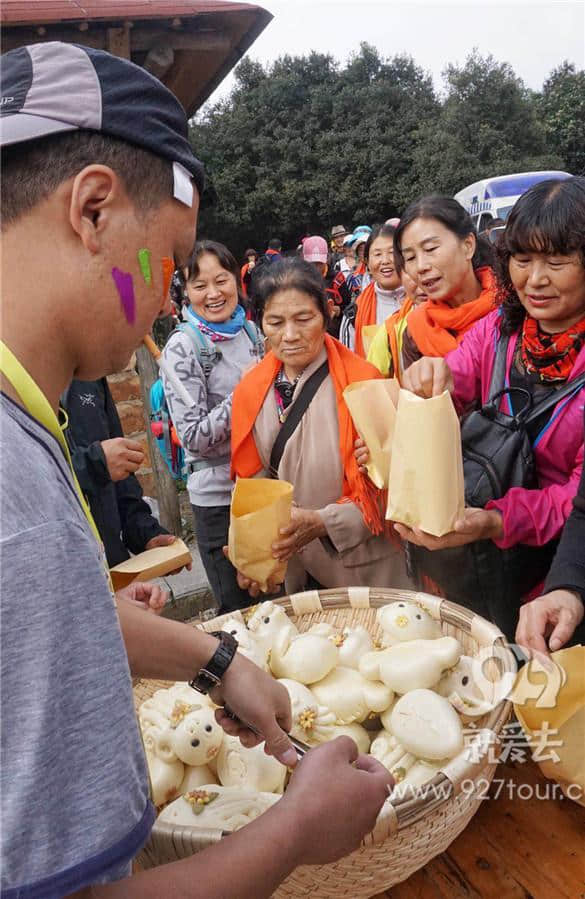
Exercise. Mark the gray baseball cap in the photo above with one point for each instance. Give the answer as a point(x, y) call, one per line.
point(54, 87)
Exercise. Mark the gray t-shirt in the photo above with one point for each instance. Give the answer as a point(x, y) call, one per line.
point(74, 783)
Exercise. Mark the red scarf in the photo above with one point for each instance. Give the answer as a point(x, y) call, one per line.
point(551, 356)
point(344, 368)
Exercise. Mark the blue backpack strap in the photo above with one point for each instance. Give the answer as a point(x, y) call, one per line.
point(157, 396)
point(255, 337)
point(207, 355)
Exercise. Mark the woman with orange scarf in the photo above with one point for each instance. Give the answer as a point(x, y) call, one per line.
point(336, 534)
point(386, 348)
point(436, 244)
point(383, 296)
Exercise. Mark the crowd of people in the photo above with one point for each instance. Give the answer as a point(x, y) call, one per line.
point(441, 305)
point(253, 379)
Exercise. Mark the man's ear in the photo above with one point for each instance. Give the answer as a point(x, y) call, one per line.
point(95, 192)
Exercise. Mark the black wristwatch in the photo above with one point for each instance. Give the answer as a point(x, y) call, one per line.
point(210, 676)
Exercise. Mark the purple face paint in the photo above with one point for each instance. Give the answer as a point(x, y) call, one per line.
point(125, 288)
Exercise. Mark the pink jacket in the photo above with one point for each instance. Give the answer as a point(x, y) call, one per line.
point(529, 516)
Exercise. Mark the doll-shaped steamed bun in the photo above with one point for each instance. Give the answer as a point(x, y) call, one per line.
point(351, 695)
point(238, 766)
point(408, 787)
point(402, 621)
point(196, 777)
point(214, 807)
point(392, 754)
point(427, 725)
point(166, 777)
point(352, 642)
point(193, 735)
point(305, 658)
point(267, 621)
point(248, 645)
point(460, 687)
point(413, 665)
point(311, 722)
point(158, 708)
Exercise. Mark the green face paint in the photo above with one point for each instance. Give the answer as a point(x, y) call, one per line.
point(144, 261)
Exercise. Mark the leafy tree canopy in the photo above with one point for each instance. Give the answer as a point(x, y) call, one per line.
point(306, 143)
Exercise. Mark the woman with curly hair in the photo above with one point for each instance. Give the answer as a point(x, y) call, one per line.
point(541, 270)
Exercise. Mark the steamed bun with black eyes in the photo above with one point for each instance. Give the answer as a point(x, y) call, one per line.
point(403, 621)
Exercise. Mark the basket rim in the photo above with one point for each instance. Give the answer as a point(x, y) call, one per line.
point(406, 810)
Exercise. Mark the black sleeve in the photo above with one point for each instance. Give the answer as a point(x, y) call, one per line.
point(90, 467)
point(568, 567)
point(138, 523)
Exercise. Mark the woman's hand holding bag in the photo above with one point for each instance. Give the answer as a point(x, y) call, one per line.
point(428, 377)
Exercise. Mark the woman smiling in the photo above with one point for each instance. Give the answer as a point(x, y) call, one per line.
point(541, 261)
point(208, 355)
point(383, 295)
point(335, 537)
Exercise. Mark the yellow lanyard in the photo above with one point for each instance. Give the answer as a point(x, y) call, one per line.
point(39, 407)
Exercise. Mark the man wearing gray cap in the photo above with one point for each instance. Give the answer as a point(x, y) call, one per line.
point(99, 198)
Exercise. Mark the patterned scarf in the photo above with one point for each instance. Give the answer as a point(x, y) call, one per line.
point(551, 356)
point(218, 331)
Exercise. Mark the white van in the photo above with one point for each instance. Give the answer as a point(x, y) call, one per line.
point(494, 197)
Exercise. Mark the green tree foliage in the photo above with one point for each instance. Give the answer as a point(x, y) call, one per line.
point(488, 125)
point(306, 143)
point(562, 106)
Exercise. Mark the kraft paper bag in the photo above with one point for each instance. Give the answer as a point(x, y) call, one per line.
point(259, 508)
point(425, 488)
point(372, 406)
point(150, 564)
point(550, 706)
point(368, 334)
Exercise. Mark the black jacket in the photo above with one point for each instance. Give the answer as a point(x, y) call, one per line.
point(568, 567)
point(122, 517)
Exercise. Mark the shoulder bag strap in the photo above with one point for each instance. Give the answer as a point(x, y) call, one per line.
point(550, 401)
point(297, 411)
point(498, 380)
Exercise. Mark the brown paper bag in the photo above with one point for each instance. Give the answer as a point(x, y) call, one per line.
point(368, 334)
point(425, 487)
point(550, 706)
point(372, 406)
point(260, 507)
point(151, 563)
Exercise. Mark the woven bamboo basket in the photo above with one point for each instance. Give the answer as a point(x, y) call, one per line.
point(410, 831)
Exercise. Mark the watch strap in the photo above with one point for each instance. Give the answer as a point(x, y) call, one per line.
point(212, 673)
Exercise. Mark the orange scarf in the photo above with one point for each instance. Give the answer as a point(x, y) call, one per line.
point(344, 368)
point(437, 328)
point(391, 322)
point(366, 315)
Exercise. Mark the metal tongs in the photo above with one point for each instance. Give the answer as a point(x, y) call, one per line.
point(300, 748)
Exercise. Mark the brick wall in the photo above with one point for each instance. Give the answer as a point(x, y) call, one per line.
point(125, 389)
